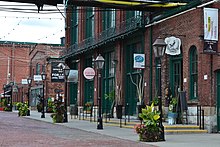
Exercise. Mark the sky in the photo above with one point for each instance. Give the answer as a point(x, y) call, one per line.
point(21, 22)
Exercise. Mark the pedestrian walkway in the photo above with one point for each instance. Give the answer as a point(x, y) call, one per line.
point(180, 140)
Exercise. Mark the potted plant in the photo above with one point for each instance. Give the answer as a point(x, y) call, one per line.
point(172, 114)
point(149, 131)
point(50, 106)
point(22, 109)
point(111, 98)
point(59, 110)
point(119, 104)
point(39, 106)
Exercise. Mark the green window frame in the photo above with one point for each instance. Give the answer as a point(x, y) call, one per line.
point(90, 22)
point(108, 17)
point(38, 69)
point(193, 73)
point(74, 24)
point(108, 79)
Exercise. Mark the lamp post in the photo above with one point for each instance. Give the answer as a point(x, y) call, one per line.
point(29, 80)
point(159, 48)
point(99, 65)
point(43, 76)
point(66, 72)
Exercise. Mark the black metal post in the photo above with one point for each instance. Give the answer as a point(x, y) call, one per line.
point(11, 98)
point(100, 124)
point(162, 138)
point(65, 101)
point(28, 103)
point(43, 112)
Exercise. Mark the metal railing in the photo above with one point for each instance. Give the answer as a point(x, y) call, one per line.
point(200, 117)
point(105, 36)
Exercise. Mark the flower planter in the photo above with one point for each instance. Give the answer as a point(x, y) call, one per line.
point(119, 111)
point(172, 118)
point(139, 108)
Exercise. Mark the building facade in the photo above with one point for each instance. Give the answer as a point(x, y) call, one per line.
point(119, 35)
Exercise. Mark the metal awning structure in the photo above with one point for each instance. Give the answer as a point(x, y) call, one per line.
point(145, 5)
point(45, 2)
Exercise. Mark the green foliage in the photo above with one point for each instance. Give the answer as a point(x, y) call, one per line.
point(59, 110)
point(50, 105)
point(155, 100)
point(110, 96)
point(150, 116)
point(172, 104)
point(22, 109)
point(150, 130)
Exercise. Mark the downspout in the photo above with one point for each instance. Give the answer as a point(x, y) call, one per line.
point(151, 63)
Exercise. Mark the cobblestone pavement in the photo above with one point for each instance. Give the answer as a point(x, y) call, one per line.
point(22, 132)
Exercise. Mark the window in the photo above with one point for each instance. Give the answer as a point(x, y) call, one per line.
point(90, 22)
point(193, 73)
point(38, 69)
point(108, 18)
point(75, 22)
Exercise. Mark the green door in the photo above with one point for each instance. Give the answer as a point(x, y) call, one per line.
point(73, 93)
point(176, 75)
point(89, 84)
point(218, 100)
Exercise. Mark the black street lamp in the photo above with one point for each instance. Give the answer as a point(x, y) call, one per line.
point(66, 72)
point(29, 80)
point(43, 76)
point(99, 65)
point(159, 48)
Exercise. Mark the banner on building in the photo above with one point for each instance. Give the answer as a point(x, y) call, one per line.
point(211, 24)
point(139, 61)
point(173, 45)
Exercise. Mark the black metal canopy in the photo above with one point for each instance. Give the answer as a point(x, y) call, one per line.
point(142, 5)
point(37, 2)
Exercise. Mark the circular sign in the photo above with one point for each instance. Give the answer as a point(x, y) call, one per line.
point(89, 73)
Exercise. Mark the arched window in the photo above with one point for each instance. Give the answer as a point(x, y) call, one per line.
point(193, 64)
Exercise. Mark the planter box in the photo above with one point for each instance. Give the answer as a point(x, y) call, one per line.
point(172, 118)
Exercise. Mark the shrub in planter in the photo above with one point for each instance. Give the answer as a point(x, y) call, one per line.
point(59, 110)
point(22, 109)
point(39, 107)
point(50, 106)
point(150, 130)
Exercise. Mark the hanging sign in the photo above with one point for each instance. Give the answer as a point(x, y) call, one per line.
point(57, 71)
point(89, 73)
point(139, 61)
point(211, 24)
point(173, 45)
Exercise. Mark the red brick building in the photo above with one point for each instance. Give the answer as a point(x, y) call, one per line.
point(119, 35)
point(41, 57)
point(14, 65)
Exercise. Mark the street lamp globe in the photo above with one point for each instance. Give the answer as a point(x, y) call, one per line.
point(99, 62)
point(43, 75)
point(159, 46)
point(66, 71)
point(29, 80)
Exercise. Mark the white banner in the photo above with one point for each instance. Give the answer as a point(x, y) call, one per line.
point(211, 24)
point(139, 61)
